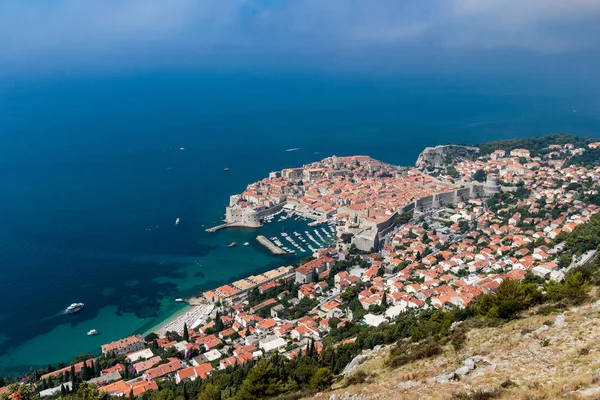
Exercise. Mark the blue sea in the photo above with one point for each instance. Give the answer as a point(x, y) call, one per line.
point(93, 178)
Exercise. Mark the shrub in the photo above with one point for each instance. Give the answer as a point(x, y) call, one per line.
point(357, 378)
point(408, 353)
point(478, 395)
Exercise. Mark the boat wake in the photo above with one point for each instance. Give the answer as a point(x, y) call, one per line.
point(295, 149)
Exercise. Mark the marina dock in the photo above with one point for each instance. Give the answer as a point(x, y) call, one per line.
point(269, 245)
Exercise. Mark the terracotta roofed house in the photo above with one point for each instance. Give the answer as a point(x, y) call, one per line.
point(124, 346)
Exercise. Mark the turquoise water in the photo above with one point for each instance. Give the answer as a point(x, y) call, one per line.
point(93, 180)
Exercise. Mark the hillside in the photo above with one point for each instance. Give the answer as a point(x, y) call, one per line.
point(536, 357)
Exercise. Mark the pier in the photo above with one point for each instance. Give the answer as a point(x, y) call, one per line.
point(269, 245)
point(216, 228)
point(230, 225)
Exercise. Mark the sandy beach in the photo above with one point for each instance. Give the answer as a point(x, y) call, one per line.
point(193, 316)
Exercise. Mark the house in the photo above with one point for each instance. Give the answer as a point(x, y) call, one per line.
point(125, 389)
point(306, 272)
point(520, 153)
point(301, 331)
point(173, 365)
point(331, 308)
point(147, 364)
point(374, 320)
point(124, 346)
point(340, 276)
point(277, 311)
point(272, 343)
point(201, 371)
point(140, 355)
point(284, 329)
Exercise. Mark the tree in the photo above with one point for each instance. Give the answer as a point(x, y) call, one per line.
point(97, 370)
point(73, 376)
point(218, 322)
point(384, 304)
point(321, 380)
point(574, 289)
point(63, 391)
point(565, 260)
point(346, 237)
point(479, 175)
point(186, 334)
point(152, 336)
point(403, 218)
point(209, 392)
point(262, 381)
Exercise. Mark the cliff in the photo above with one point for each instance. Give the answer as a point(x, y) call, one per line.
point(440, 156)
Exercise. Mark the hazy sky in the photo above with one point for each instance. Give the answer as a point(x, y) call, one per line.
point(79, 35)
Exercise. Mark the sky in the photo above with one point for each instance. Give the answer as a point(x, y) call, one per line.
point(44, 36)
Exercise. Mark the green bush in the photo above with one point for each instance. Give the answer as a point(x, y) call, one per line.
point(404, 354)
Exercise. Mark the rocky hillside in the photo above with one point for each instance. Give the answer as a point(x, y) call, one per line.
point(537, 357)
point(441, 156)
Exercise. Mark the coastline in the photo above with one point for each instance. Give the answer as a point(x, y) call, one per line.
point(198, 309)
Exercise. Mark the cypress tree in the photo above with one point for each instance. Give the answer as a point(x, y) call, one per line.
point(84, 370)
point(72, 375)
point(186, 334)
point(218, 322)
point(131, 393)
point(63, 391)
point(384, 301)
point(97, 370)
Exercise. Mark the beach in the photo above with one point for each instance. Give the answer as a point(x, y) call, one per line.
point(193, 316)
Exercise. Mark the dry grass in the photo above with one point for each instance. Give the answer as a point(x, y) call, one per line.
point(548, 365)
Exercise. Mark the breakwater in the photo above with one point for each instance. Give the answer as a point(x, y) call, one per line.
point(269, 245)
point(230, 225)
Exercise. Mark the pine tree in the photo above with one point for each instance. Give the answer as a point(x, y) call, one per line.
point(186, 334)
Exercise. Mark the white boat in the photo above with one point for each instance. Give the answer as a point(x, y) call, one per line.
point(179, 299)
point(246, 244)
point(92, 332)
point(177, 221)
point(73, 308)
